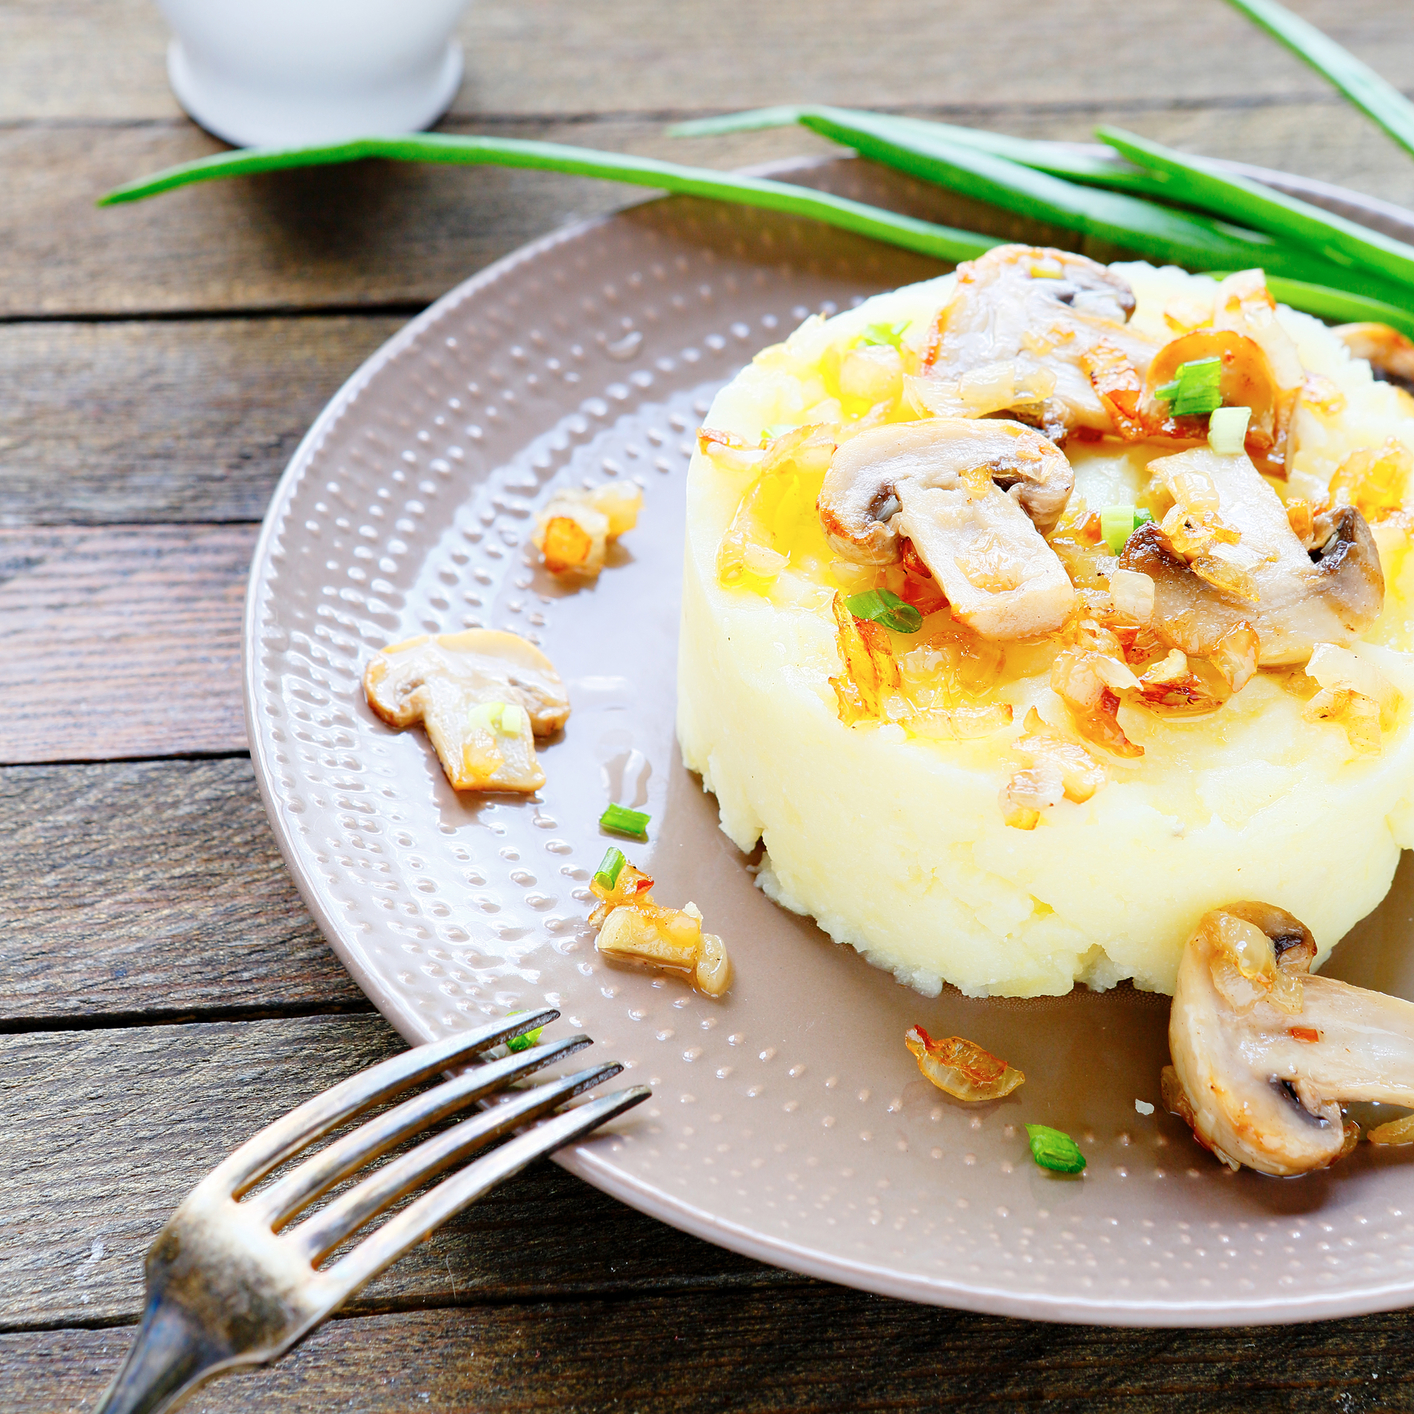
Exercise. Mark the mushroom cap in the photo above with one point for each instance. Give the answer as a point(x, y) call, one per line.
point(439, 681)
point(1265, 1052)
point(1328, 595)
point(972, 495)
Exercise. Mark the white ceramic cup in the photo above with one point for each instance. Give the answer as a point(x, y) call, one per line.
point(264, 73)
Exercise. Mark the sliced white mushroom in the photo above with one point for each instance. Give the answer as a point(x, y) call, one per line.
point(1035, 314)
point(1329, 594)
point(973, 497)
point(483, 697)
point(1264, 1052)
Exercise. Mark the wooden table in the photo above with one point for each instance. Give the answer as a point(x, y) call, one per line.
point(163, 991)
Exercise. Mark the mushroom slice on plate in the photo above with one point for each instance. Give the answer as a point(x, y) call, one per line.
point(1040, 312)
point(483, 696)
point(973, 497)
point(1264, 1052)
point(1295, 598)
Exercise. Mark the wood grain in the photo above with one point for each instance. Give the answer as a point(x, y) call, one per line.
point(67, 59)
point(151, 889)
point(807, 1349)
point(121, 642)
point(163, 421)
point(103, 1132)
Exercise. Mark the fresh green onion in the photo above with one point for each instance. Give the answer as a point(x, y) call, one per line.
point(1054, 1149)
point(513, 720)
point(1118, 523)
point(776, 429)
point(941, 242)
point(924, 150)
point(486, 715)
point(625, 822)
point(1194, 390)
point(527, 1040)
point(891, 334)
point(1358, 82)
point(610, 867)
point(883, 606)
point(1196, 182)
point(1056, 158)
point(1227, 430)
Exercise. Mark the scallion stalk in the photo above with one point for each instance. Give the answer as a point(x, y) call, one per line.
point(1357, 81)
point(1227, 430)
point(1194, 389)
point(941, 242)
point(1118, 523)
point(1198, 183)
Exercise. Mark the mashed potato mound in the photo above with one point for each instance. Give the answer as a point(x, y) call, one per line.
point(896, 842)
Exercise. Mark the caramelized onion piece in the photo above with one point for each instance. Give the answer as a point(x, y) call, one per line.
point(1385, 349)
point(961, 1067)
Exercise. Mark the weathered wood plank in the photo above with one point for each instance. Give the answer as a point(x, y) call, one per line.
point(807, 1349)
point(68, 59)
point(103, 1132)
point(163, 421)
point(121, 642)
point(377, 234)
point(148, 889)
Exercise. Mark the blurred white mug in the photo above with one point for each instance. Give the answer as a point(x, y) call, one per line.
point(264, 73)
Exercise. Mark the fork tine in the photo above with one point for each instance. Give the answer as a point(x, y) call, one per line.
point(274, 1144)
point(327, 1228)
point(382, 1248)
point(295, 1190)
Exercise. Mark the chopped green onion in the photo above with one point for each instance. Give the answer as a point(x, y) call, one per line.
point(1195, 388)
point(486, 715)
point(513, 720)
point(941, 242)
point(1358, 82)
point(883, 606)
point(1197, 182)
point(891, 334)
point(1118, 523)
point(625, 822)
point(527, 1040)
point(1227, 430)
point(776, 429)
point(1054, 1149)
point(610, 867)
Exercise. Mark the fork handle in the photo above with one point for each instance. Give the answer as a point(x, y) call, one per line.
point(168, 1359)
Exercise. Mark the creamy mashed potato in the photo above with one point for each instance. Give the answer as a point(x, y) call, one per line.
point(896, 843)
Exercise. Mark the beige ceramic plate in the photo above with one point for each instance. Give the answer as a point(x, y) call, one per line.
point(787, 1121)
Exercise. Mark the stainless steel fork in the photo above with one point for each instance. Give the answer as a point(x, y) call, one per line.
point(227, 1287)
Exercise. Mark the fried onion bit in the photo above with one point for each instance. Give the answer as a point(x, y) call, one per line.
point(574, 530)
point(632, 927)
point(870, 670)
point(961, 1067)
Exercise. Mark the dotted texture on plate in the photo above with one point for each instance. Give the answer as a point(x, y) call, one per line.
point(788, 1121)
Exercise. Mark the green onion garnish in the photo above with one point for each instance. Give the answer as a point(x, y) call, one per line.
point(1194, 389)
point(1118, 523)
point(941, 242)
point(610, 867)
point(883, 606)
point(776, 429)
point(625, 822)
point(1054, 1149)
point(891, 334)
point(1196, 182)
point(527, 1040)
point(1359, 83)
point(1227, 430)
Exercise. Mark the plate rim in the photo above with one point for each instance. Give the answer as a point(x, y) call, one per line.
point(581, 1160)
